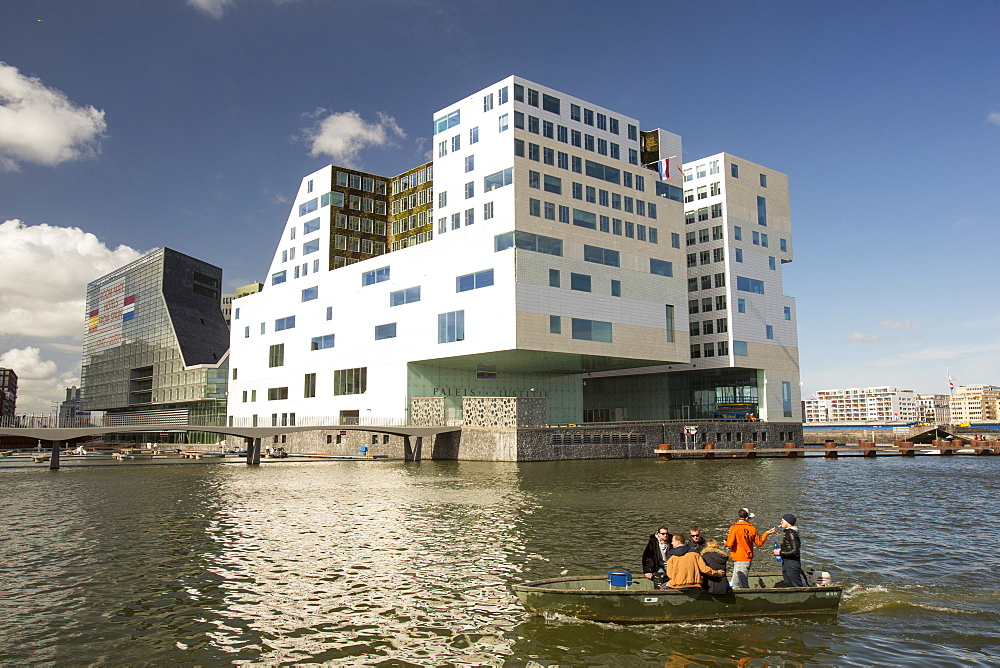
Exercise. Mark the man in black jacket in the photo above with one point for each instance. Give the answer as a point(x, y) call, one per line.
point(791, 557)
point(654, 557)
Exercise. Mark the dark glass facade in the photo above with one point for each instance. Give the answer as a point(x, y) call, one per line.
point(155, 345)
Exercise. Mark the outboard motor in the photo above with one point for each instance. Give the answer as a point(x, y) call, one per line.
point(818, 578)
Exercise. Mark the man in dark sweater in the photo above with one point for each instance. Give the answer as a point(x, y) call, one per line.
point(791, 557)
point(654, 557)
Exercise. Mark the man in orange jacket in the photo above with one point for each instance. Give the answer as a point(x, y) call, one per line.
point(742, 538)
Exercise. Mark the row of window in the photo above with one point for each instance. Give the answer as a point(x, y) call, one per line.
point(579, 165)
point(586, 141)
point(706, 282)
point(279, 277)
point(704, 305)
point(716, 326)
point(702, 214)
point(553, 105)
point(581, 282)
point(591, 221)
point(703, 192)
point(553, 184)
point(554, 246)
point(411, 201)
point(710, 256)
point(354, 244)
point(336, 199)
point(700, 172)
point(711, 348)
point(583, 330)
point(413, 180)
point(359, 182)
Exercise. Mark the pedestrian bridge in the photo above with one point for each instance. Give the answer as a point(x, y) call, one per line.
point(60, 436)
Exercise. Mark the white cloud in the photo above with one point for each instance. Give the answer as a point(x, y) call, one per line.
point(994, 118)
point(214, 8)
point(39, 382)
point(44, 278)
point(866, 338)
point(343, 135)
point(41, 125)
point(906, 324)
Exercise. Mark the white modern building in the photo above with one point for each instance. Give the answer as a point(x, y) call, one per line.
point(743, 337)
point(538, 255)
point(865, 404)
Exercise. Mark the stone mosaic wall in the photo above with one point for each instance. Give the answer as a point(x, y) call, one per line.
point(427, 411)
point(504, 412)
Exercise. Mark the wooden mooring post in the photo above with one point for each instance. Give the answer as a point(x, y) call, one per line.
point(986, 447)
point(663, 452)
point(867, 448)
point(830, 449)
point(748, 450)
point(708, 451)
point(792, 450)
point(905, 448)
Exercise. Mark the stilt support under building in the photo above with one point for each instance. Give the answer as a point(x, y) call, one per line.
point(54, 457)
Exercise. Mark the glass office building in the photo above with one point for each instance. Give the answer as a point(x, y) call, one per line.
point(155, 347)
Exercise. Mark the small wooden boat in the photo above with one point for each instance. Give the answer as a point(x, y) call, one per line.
point(591, 597)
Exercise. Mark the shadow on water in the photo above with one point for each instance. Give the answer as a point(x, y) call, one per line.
point(411, 564)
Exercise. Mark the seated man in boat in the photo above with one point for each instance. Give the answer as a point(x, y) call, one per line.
point(685, 566)
point(654, 557)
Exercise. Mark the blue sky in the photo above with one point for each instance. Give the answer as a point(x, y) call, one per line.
point(127, 125)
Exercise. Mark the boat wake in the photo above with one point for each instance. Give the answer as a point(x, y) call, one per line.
point(862, 599)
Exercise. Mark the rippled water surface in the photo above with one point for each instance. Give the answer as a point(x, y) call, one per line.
point(391, 563)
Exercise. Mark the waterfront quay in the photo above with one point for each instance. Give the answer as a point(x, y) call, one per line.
point(471, 442)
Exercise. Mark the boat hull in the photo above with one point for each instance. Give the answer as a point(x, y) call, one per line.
point(589, 598)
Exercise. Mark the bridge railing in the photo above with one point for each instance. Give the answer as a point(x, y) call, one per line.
point(50, 421)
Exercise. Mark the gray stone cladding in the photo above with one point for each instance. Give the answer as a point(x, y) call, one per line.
point(543, 443)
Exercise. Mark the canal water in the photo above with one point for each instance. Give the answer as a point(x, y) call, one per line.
point(410, 564)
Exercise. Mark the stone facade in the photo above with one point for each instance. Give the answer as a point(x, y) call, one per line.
point(507, 444)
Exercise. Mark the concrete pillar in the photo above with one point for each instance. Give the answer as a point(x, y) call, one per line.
point(407, 449)
point(255, 459)
point(54, 457)
point(248, 446)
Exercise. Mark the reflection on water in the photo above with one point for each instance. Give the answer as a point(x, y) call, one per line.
point(410, 564)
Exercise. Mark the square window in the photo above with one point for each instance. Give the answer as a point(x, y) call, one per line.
point(579, 282)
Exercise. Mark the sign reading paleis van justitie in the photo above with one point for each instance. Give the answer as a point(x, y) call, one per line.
point(104, 324)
